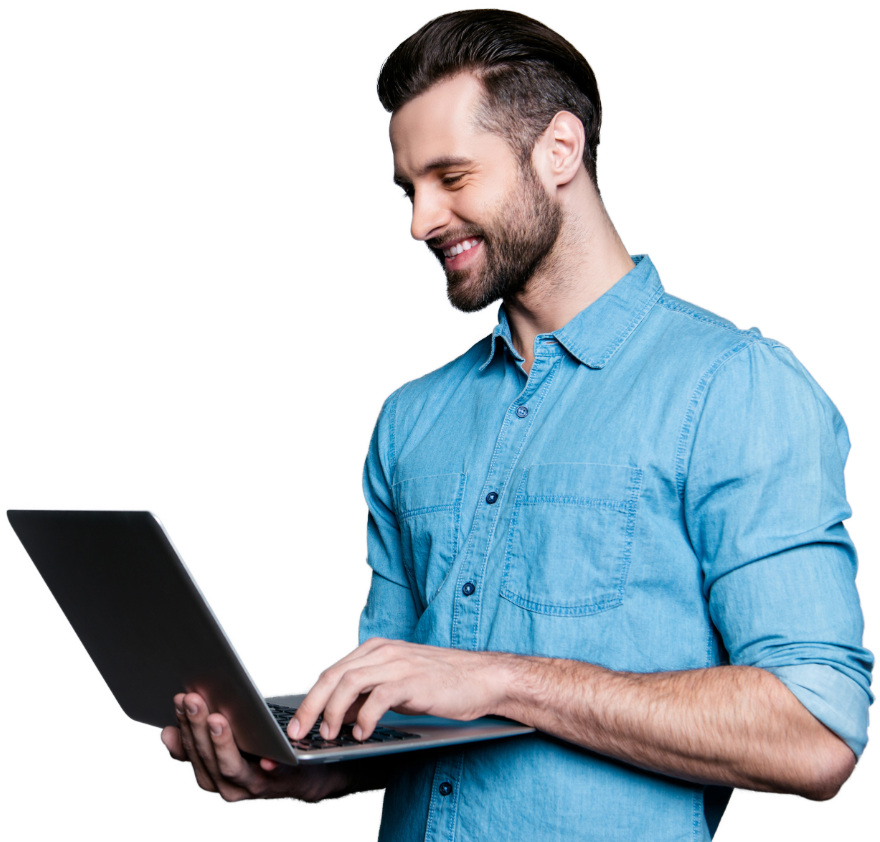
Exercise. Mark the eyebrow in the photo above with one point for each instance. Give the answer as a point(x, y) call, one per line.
point(436, 164)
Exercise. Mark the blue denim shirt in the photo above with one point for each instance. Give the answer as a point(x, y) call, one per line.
point(662, 492)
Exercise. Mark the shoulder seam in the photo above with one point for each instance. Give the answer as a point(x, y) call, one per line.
point(392, 430)
point(673, 305)
point(690, 416)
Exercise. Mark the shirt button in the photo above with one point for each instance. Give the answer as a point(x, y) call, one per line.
point(445, 788)
point(522, 411)
point(491, 497)
point(468, 588)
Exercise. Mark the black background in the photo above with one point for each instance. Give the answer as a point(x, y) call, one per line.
point(218, 290)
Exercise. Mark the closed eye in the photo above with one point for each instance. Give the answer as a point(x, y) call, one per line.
point(409, 191)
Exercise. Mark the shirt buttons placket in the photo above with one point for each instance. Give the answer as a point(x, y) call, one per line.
point(517, 421)
point(444, 799)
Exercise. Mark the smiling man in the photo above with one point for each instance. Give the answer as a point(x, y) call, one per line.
point(617, 519)
point(518, 223)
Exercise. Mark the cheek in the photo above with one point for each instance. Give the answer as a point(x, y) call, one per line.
point(478, 208)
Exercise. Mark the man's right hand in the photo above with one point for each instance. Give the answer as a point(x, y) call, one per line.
point(205, 740)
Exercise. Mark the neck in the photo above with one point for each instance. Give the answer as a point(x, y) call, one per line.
point(587, 260)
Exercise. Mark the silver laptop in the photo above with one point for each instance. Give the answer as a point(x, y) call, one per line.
point(152, 634)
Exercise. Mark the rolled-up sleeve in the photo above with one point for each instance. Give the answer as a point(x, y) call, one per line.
point(390, 610)
point(765, 504)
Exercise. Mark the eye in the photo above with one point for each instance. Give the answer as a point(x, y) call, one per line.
point(449, 180)
point(408, 193)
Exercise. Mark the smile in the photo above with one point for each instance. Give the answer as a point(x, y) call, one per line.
point(464, 245)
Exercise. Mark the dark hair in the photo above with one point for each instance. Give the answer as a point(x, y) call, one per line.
point(528, 71)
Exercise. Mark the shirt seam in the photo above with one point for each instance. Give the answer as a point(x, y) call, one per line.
point(673, 306)
point(392, 437)
point(610, 350)
point(628, 331)
point(698, 812)
point(691, 417)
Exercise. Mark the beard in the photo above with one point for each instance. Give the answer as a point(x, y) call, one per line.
point(516, 241)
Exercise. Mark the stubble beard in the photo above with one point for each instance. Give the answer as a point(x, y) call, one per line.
point(516, 242)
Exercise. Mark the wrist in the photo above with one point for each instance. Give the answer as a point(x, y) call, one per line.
point(514, 686)
point(539, 691)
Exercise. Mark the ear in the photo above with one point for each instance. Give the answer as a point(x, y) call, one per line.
point(559, 152)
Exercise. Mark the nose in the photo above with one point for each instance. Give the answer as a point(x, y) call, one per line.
point(431, 215)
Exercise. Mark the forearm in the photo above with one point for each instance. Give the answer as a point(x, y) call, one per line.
point(738, 726)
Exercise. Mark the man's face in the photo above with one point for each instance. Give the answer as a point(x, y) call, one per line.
point(488, 220)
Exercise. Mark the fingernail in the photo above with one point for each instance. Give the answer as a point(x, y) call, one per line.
point(357, 732)
point(293, 728)
point(216, 729)
point(325, 730)
point(192, 710)
point(178, 710)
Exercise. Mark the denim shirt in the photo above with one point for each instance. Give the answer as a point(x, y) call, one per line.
point(662, 491)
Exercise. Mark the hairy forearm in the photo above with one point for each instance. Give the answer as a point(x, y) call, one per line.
point(732, 725)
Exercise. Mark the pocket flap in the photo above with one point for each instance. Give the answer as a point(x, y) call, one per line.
point(581, 484)
point(421, 495)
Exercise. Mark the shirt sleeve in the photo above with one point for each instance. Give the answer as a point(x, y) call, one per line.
point(765, 504)
point(390, 610)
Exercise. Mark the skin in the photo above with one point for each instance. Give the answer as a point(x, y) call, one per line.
point(521, 237)
point(732, 725)
point(589, 257)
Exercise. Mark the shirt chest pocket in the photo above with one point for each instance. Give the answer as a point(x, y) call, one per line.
point(428, 513)
point(570, 539)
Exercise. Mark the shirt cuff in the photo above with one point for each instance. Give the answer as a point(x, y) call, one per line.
point(837, 701)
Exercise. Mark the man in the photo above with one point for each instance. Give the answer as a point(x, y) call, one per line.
point(617, 519)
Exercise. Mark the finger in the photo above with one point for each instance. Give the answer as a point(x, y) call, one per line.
point(197, 716)
point(351, 687)
point(203, 778)
point(350, 716)
point(237, 779)
point(353, 684)
point(374, 650)
point(171, 740)
point(311, 707)
point(352, 713)
point(222, 772)
point(377, 704)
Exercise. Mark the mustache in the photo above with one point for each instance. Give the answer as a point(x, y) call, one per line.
point(455, 234)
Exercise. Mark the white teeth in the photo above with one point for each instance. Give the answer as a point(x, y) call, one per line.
point(465, 245)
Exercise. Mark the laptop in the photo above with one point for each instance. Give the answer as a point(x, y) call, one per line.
point(152, 634)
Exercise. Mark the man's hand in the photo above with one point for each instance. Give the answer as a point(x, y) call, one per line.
point(410, 678)
point(733, 725)
point(205, 740)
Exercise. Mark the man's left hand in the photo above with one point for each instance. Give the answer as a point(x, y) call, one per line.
point(409, 678)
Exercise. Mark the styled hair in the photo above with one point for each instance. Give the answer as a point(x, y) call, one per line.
point(529, 73)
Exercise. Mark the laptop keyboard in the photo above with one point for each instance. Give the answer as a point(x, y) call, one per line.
point(313, 741)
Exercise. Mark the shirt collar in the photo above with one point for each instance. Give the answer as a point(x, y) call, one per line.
point(595, 334)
